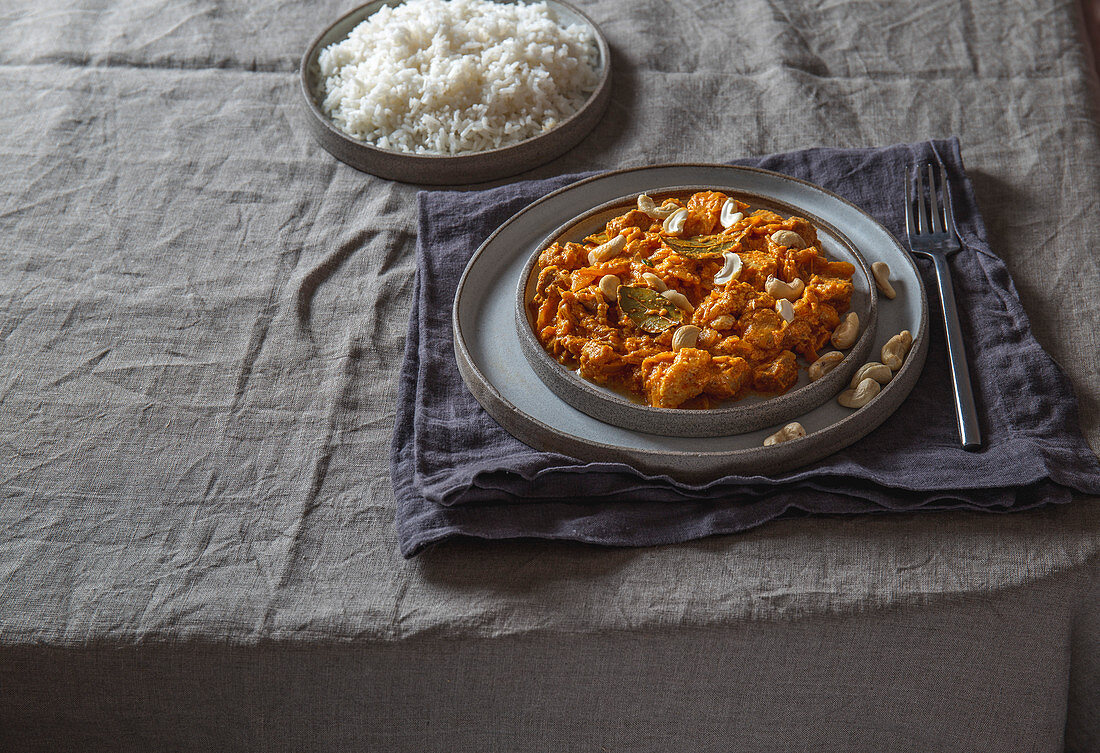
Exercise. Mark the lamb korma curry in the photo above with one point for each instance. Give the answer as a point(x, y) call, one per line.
point(686, 305)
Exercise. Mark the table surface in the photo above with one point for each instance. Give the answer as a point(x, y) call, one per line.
point(203, 314)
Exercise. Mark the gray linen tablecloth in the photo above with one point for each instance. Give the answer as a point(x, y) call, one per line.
point(202, 317)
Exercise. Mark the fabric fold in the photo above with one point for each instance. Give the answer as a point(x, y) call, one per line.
point(456, 472)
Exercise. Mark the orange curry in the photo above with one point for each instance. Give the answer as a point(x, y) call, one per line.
point(616, 318)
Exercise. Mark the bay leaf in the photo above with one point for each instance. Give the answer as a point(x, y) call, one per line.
point(642, 306)
point(701, 247)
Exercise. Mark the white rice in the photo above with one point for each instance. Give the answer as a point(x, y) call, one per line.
point(454, 76)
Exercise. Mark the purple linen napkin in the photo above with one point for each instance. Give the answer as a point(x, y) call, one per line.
point(456, 472)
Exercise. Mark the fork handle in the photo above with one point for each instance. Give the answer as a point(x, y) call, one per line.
point(965, 411)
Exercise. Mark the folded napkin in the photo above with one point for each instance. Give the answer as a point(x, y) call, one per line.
point(456, 472)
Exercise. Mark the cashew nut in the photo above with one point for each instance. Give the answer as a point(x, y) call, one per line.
point(678, 299)
point(722, 321)
point(859, 396)
point(777, 288)
point(609, 286)
point(685, 336)
point(674, 223)
point(785, 309)
point(731, 270)
point(609, 250)
point(788, 238)
point(896, 349)
point(655, 282)
point(881, 270)
point(647, 205)
point(730, 216)
point(824, 364)
point(873, 370)
point(786, 434)
point(845, 334)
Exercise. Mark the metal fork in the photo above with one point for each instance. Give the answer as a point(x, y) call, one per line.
point(931, 229)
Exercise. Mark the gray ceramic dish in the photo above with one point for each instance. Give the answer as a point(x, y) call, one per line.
point(748, 414)
point(492, 364)
point(433, 169)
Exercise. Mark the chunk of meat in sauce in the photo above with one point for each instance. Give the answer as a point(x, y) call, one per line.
point(599, 361)
point(670, 384)
point(833, 291)
point(566, 256)
point(728, 299)
point(694, 372)
point(778, 375)
point(704, 211)
point(729, 378)
point(762, 328)
point(633, 218)
point(803, 227)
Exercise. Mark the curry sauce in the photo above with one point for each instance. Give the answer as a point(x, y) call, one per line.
point(616, 319)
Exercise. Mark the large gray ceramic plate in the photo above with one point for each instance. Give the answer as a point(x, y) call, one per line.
point(492, 363)
point(439, 169)
point(733, 417)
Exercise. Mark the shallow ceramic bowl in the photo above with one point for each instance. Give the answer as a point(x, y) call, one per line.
point(437, 169)
point(733, 417)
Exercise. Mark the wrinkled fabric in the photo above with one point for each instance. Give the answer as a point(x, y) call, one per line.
point(202, 323)
point(448, 453)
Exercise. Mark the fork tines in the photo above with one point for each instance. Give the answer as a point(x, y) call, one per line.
point(928, 216)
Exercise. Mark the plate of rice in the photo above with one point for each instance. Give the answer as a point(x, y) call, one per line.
point(450, 92)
